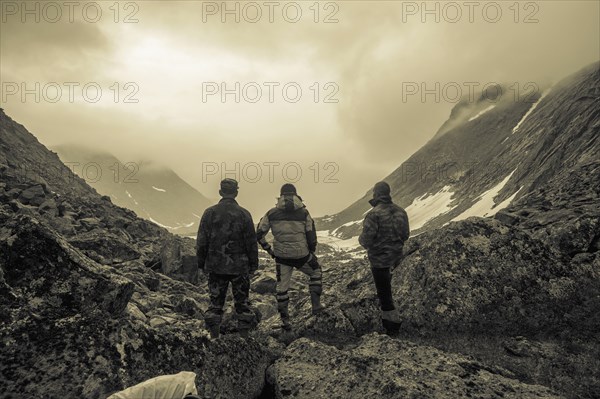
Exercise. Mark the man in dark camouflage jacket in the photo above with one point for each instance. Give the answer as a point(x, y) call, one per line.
point(227, 252)
point(385, 229)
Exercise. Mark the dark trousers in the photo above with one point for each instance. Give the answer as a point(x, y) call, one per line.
point(217, 288)
point(383, 284)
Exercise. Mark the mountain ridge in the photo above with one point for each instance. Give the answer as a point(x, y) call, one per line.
point(456, 168)
point(153, 192)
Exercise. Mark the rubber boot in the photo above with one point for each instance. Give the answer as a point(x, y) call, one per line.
point(315, 301)
point(213, 325)
point(244, 323)
point(285, 321)
point(391, 321)
point(214, 330)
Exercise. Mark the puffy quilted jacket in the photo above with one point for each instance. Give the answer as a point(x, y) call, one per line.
point(292, 226)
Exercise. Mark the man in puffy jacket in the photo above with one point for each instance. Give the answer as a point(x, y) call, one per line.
point(227, 251)
point(385, 229)
point(294, 244)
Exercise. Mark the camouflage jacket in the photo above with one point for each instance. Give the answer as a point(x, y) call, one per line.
point(385, 229)
point(226, 242)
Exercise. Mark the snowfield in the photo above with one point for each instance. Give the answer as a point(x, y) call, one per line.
point(354, 222)
point(486, 206)
point(533, 107)
point(427, 207)
point(337, 243)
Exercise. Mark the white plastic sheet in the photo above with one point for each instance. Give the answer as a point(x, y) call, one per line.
point(175, 386)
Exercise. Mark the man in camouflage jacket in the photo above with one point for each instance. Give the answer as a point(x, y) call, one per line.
point(227, 252)
point(385, 229)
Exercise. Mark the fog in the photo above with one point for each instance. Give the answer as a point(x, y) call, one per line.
point(321, 101)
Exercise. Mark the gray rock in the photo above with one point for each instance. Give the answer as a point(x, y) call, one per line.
point(33, 195)
point(382, 367)
point(49, 207)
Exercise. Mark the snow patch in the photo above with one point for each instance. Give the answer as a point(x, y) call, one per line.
point(159, 189)
point(354, 222)
point(160, 224)
point(485, 206)
point(534, 106)
point(427, 207)
point(338, 243)
point(130, 196)
point(169, 227)
point(482, 112)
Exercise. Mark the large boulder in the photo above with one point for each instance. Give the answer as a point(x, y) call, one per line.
point(178, 259)
point(34, 195)
point(105, 247)
point(480, 276)
point(47, 272)
point(382, 367)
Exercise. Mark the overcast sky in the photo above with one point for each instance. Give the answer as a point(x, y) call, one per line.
point(173, 54)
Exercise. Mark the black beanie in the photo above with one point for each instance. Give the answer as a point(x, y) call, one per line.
point(288, 188)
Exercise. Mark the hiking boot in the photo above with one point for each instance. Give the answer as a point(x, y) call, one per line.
point(391, 321)
point(315, 300)
point(215, 331)
point(245, 321)
point(213, 324)
point(285, 323)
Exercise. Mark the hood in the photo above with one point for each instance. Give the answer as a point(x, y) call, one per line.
point(289, 202)
point(380, 199)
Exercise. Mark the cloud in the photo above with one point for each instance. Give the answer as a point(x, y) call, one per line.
point(52, 51)
point(370, 54)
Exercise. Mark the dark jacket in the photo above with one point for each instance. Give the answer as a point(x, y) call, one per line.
point(385, 229)
point(293, 229)
point(226, 242)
